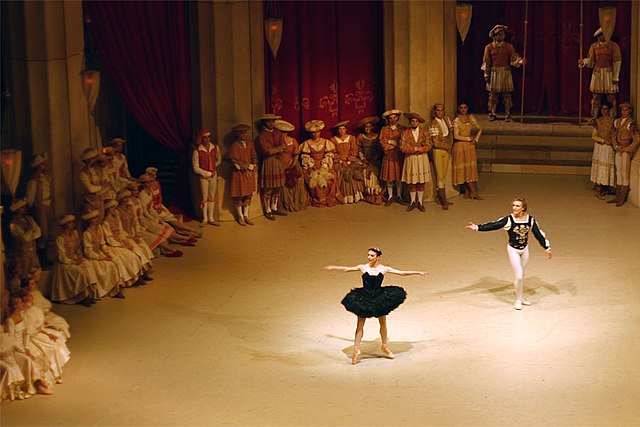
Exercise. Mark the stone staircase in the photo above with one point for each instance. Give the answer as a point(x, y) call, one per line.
point(539, 146)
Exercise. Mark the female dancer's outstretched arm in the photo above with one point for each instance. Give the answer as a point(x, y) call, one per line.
point(359, 267)
point(386, 269)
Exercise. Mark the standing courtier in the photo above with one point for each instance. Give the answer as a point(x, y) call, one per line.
point(626, 143)
point(518, 225)
point(347, 164)
point(243, 177)
point(415, 144)
point(605, 59)
point(441, 131)
point(206, 158)
point(499, 57)
point(24, 231)
point(39, 199)
point(392, 156)
point(271, 145)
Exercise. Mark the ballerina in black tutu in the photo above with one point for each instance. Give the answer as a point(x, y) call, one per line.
point(373, 299)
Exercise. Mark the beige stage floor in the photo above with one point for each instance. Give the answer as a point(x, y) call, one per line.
point(247, 329)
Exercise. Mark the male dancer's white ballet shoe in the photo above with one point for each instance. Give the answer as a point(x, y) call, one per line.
point(387, 353)
point(355, 358)
point(518, 304)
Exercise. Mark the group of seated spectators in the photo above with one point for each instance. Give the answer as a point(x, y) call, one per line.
point(124, 226)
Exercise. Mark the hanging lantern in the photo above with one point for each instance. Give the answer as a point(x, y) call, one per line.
point(273, 31)
point(273, 26)
point(463, 19)
point(607, 17)
point(11, 168)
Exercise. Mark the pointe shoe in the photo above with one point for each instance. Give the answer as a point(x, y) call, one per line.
point(59, 380)
point(518, 304)
point(387, 353)
point(355, 358)
point(526, 302)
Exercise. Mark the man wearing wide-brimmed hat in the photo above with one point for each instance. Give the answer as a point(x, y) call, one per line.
point(392, 161)
point(606, 60)
point(499, 57)
point(24, 231)
point(39, 198)
point(205, 160)
point(416, 171)
point(244, 158)
point(271, 145)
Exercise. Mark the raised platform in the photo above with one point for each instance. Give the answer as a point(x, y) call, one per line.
point(542, 145)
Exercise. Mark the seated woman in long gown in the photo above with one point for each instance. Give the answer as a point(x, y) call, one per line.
point(317, 156)
point(74, 280)
point(34, 364)
point(101, 258)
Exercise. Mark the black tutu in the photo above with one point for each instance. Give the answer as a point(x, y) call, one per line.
point(373, 299)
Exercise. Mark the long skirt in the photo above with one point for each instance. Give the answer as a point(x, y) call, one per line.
point(465, 162)
point(602, 165)
point(294, 193)
point(72, 282)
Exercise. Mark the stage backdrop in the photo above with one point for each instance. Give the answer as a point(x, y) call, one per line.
point(329, 65)
point(144, 48)
point(552, 76)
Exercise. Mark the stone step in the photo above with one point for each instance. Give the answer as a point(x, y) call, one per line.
point(546, 148)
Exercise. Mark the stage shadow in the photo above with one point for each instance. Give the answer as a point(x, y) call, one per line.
point(503, 290)
point(371, 348)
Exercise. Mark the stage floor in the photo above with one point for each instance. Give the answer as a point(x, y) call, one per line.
point(247, 329)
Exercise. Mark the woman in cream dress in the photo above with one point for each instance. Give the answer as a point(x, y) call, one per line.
point(74, 280)
point(101, 258)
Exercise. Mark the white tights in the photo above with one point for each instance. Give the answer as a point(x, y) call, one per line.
point(519, 258)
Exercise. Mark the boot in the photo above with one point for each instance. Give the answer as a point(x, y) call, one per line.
point(465, 190)
point(443, 199)
point(437, 199)
point(618, 191)
point(624, 190)
point(473, 190)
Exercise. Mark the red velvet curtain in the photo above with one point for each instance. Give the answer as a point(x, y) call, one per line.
point(553, 48)
point(144, 48)
point(329, 65)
